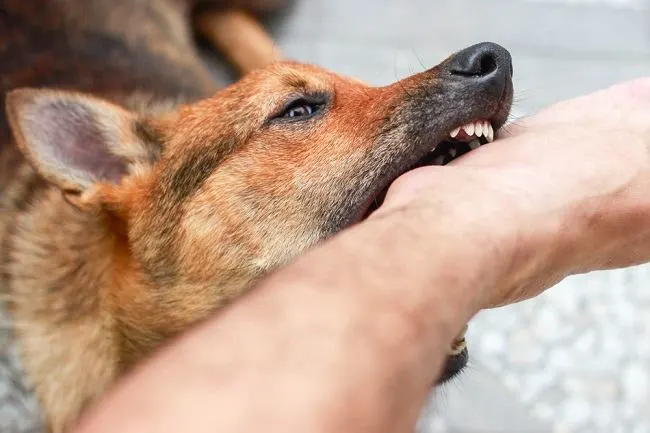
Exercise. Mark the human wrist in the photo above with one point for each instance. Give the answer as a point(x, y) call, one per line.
point(503, 234)
point(459, 258)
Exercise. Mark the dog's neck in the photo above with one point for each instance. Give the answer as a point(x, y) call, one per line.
point(76, 268)
point(60, 269)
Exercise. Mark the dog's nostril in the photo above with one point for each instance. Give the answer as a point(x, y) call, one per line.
point(481, 60)
point(478, 66)
point(488, 64)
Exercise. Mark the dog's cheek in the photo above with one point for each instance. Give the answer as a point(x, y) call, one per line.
point(217, 228)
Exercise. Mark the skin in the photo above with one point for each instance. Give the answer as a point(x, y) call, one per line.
point(567, 192)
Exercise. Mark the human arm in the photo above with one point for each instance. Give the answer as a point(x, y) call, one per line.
point(351, 336)
point(578, 176)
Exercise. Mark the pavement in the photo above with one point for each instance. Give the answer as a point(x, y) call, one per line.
point(576, 359)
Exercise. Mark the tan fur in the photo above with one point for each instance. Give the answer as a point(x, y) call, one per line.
point(78, 287)
point(201, 194)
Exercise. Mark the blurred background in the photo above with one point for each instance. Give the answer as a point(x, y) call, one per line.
point(577, 359)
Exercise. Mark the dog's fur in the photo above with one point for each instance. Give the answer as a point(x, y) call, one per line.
point(136, 199)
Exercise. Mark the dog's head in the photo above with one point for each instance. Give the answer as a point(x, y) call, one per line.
point(208, 198)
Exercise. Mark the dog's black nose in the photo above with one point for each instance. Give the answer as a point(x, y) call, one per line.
point(486, 63)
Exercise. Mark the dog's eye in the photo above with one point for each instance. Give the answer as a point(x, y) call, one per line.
point(301, 108)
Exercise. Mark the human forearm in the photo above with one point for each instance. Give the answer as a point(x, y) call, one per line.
point(349, 338)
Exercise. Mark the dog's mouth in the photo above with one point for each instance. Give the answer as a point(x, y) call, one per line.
point(461, 140)
point(457, 358)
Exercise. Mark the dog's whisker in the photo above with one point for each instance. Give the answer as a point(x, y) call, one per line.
point(424, 68)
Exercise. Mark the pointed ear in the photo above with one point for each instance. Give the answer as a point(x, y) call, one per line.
point(75, 140)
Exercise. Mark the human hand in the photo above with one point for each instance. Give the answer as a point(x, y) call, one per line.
point(565, 191)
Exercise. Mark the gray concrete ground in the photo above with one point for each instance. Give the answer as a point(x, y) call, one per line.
point(577, 359)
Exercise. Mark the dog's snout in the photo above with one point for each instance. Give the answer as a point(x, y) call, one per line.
point(482, 63)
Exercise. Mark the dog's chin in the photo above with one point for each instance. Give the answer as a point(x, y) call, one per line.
point(457, 358)
point(460, 141)
point(453, 367)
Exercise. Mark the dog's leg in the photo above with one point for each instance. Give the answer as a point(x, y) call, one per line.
point(239, 37)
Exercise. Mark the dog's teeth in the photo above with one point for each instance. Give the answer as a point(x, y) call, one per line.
point(459, 344)
point(455, 132)
point(452, 152)
point(458, 347)
point(490, 134)
point(474, 144)
point(486, 126)
point(478, 129)
point(469, 129)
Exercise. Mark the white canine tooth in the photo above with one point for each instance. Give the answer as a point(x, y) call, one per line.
point(455, 132)
point(490, 136)
point(452, 152)
point(469, 129)
point(478, 129)
point(486, 125)
point(474, 144)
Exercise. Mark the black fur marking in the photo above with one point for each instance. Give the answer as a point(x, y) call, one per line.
point(37, 51)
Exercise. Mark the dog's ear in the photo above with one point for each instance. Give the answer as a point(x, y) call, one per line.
point(75, 140)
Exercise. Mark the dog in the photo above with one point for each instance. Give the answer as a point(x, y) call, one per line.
point(137, 198)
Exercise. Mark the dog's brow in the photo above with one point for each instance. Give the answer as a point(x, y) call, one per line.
point(297, 82)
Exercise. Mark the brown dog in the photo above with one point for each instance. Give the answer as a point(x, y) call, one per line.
point(136, 200)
